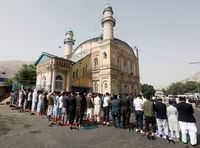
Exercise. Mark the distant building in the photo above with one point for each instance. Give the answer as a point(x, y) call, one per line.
point(159, 93)
point(4, 88)
point(102, 64)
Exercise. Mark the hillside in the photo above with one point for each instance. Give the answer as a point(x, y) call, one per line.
point(9, 68)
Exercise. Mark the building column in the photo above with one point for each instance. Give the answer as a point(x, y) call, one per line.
point(68, 87)
point(53, 80)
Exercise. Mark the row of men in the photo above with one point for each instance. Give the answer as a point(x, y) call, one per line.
point(169, 121)
point(65, 107)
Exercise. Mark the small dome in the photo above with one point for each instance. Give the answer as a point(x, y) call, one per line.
point(108, 8)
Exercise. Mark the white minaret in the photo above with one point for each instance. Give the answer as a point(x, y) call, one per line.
point(108, 23)
point(68, 42)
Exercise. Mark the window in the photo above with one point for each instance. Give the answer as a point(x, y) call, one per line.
point(73, 75)
point(76, 72)
point(59, 82)
point(95, 61)
point(125, 66)
point(83, 70)
point(105, 55)
point(131, 68)
point(125, 89)
point(105, 85)
point(95, 87)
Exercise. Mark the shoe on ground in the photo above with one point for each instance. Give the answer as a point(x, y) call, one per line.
point(141, 132)
point(136, 130)
point(168, 140)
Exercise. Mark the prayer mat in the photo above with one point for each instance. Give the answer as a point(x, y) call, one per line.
point(89, 126)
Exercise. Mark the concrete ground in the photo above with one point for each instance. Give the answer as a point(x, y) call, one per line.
point(22, 130)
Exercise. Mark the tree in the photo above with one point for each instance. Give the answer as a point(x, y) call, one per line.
point(147, 90)
point(180, 88)
point(175, 88)
point(26, 75)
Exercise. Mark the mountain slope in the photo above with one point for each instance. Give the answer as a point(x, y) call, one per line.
point(9, 68)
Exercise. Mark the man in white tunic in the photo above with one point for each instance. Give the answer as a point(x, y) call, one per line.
point(21, 97)
point(34, 100)
point(97, 107)
point(39, 104)
point(172, 115)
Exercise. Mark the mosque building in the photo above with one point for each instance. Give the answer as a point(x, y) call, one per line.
point(99, 65)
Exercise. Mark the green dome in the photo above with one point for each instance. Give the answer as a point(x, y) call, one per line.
point(108, 8)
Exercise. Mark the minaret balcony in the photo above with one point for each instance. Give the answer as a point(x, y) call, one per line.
point(68, 40)
point(108, 19)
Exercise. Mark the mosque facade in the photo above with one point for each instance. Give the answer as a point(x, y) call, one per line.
point(99, 65)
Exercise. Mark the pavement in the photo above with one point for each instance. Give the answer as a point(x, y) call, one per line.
point(22, 130)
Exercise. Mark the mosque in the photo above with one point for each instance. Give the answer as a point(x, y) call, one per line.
point(99, 65)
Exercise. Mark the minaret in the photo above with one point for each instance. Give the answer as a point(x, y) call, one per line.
point(108, 23)
point(68, 42)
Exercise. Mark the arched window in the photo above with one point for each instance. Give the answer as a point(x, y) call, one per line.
point(59, 82)
point(83, 70)
point(125, 89)
point(105, 85)
point(96, 87)
point(73, 75)
point(125, 66)
point(95, 61)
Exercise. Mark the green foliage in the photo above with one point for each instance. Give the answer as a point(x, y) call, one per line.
point(26, 75)
point(164, 91)
point(182, 88)
point(147, 90)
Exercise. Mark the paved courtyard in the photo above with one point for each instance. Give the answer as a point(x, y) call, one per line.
point(22, 130)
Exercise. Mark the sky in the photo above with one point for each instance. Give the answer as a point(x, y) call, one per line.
point(167, 33)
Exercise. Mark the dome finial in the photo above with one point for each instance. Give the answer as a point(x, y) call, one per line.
point(108, 7)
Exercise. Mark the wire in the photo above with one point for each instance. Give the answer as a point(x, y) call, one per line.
point(166, 58)
point(194, 63)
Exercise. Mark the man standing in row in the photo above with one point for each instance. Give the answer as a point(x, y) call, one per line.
point(138, 104)
point(149, 114)
point(161, 119)
point(106, 102)
point(187, 121)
